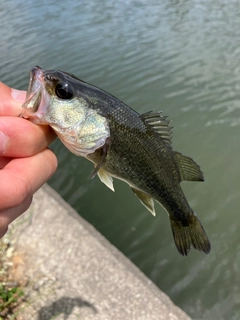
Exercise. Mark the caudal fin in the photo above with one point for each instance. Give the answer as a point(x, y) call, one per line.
point(190, 234)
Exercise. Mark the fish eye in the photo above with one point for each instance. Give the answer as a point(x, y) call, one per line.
point(64, 91)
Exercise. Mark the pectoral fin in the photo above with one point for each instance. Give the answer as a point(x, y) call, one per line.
point(104, 151)
point(105, 178)
point(146, 200)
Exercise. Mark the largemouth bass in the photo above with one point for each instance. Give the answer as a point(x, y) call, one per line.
point(122, 144)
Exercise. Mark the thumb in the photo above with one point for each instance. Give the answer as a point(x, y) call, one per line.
point(10, 100)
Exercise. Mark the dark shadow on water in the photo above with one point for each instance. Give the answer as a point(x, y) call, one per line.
point(65, 306)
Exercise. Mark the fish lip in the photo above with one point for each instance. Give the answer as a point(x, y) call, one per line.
point(35, 83)
point(34, 92)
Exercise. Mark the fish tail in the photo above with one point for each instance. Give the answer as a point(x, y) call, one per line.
point(189, 232)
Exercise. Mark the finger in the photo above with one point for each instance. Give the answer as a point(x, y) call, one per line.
point(24, 176)
point(9, 215)
point(11, 100)
point(3, 162)
point(3, 231)
point(21, 138)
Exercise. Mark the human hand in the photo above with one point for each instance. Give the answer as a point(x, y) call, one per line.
point(25, 162)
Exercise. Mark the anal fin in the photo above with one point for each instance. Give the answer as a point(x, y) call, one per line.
point(145, 199)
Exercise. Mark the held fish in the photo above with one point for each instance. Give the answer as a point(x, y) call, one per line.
point(122, 144)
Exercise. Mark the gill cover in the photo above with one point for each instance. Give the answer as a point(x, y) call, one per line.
point(52, 100)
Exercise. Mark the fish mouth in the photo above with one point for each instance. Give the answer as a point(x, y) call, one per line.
point(34, 92)
point(37, 98)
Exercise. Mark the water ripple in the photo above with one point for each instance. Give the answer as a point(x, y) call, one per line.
point(181, 57)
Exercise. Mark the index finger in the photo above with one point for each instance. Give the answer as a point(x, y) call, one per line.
point(11, 100)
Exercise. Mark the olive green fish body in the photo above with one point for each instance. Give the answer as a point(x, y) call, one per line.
point(140, 156)
point(143, 158)
point(122, 144)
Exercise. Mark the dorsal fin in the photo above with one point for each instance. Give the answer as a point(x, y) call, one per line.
point(159, 123)
point(189, 170)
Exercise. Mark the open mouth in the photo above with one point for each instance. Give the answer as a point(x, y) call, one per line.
point(35, 89)
point(37, 100)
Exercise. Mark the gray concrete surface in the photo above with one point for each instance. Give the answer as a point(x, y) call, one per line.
point(72, 272)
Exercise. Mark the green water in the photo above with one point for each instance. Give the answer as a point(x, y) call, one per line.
point(181, 57)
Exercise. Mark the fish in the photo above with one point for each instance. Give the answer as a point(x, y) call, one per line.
point(122, 144)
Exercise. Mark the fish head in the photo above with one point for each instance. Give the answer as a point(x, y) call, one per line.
point(54, 98)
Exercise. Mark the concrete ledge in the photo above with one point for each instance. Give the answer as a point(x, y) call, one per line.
point(73, 272)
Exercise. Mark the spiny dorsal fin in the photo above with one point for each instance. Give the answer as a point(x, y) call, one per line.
point(145, 199)
point(159, 123)
point(189, 170)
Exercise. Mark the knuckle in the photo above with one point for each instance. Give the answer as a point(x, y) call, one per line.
point(21, 192)
point(51, 161)
point(26, 203)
